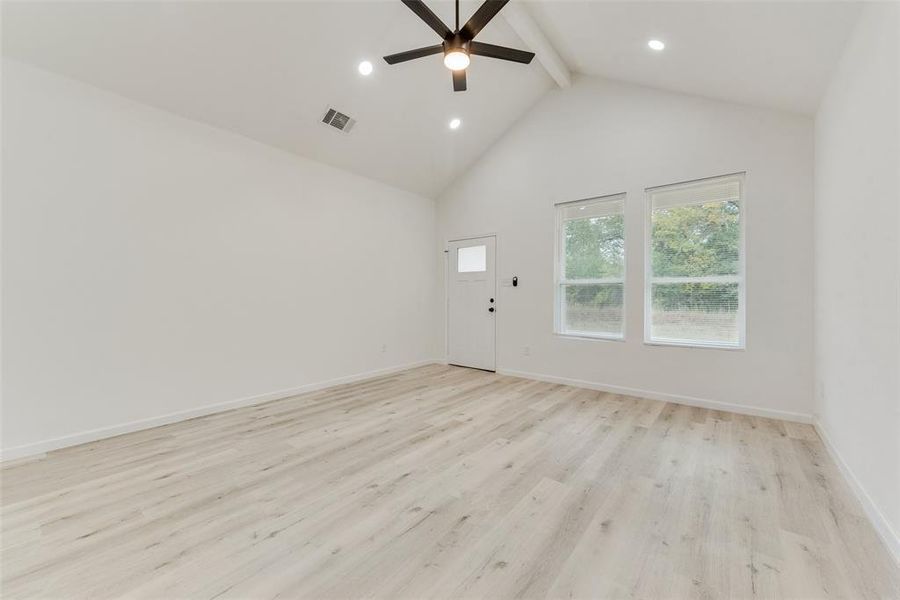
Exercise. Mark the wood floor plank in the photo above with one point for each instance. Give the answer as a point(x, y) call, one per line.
point(443, 482)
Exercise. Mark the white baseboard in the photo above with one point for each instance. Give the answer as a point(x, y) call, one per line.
point(36, 448)
point(665, 397)
point(883, 528)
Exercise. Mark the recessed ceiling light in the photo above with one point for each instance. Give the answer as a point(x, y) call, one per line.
point(455, 123)
point(656, 45)
point(365, 68)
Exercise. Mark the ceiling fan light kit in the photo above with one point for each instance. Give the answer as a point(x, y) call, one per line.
point(456, 57)
point(459, 45)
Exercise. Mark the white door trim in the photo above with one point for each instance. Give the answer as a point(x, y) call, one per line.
point(498, 303)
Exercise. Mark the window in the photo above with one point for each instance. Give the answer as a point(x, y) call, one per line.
point(590, 267)
point(471, 259)
point(695, 264)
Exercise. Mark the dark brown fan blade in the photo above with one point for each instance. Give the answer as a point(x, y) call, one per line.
point(502, 52)
point(393, 59)
point(459, 80)
point(485, 13)
point(431, 19)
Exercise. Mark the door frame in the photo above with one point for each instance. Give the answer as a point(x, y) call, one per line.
point(447, 243)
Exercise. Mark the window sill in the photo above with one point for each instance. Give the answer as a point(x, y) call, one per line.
point(701, 345)
point(589, 336)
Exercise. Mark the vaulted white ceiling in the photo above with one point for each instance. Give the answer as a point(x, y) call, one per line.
point(773, 54)
point(269, 70)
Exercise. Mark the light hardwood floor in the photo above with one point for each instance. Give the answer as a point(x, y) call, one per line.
point(443, 482)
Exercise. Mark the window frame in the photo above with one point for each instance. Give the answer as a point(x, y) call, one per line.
point(741, 277)
point(558, 282)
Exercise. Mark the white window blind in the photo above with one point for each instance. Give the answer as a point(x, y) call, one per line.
point(695, 270)
point(590, 270)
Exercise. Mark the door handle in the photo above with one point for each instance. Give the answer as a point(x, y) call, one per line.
point(491, 309)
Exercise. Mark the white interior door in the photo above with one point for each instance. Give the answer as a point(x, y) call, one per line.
point(472, 303)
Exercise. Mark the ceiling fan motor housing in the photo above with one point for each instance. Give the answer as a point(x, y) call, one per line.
point(456, 43)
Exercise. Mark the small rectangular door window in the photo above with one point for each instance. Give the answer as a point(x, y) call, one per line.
point(472, 259)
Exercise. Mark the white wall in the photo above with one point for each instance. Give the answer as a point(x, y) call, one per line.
point(153, 265)
point(600, 138)
point(857, 277)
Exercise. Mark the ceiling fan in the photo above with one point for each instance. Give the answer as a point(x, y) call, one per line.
point(458, 45)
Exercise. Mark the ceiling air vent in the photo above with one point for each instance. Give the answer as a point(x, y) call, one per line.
point(338, 120)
